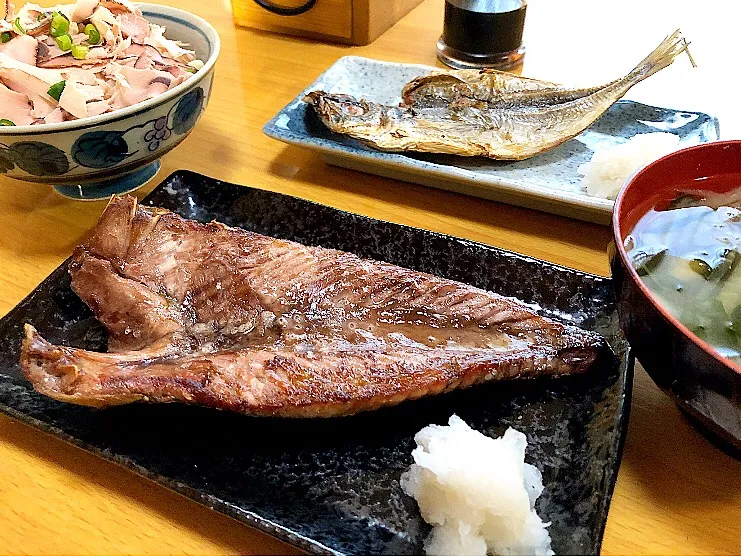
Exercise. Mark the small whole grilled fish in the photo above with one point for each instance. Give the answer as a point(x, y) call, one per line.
point(486, 89)
point(492, 114)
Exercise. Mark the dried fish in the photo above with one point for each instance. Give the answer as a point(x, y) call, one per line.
point(486, 89)
point(489, 114)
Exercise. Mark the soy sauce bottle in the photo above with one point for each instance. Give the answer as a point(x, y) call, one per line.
point(483, 34)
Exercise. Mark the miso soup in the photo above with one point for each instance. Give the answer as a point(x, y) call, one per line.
point(688, 254)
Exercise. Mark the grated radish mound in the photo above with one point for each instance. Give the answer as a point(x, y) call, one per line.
point(609, 169)
point(477, 492)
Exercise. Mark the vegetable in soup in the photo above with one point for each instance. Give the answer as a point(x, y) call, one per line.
point(688, 254)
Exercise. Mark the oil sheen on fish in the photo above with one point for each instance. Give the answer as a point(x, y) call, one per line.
point(483, 114)
point(226, 318)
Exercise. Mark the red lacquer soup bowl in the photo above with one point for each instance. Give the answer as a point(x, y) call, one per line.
point(704, 384)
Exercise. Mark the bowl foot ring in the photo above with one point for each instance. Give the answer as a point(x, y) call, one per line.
point(713, 433)
point(94, 191)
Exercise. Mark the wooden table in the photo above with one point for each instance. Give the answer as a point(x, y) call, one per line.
point(676, 493)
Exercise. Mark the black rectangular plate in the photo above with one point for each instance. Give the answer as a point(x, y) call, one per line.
point(332, 485)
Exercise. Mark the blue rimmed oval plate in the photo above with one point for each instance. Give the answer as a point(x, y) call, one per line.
point(549, 182)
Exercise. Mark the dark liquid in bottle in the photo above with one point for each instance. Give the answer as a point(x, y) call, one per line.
point(487, 27)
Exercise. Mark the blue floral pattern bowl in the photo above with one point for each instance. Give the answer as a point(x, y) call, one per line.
point(116, 152)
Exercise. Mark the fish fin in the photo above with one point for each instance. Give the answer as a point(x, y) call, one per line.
point(662, 56)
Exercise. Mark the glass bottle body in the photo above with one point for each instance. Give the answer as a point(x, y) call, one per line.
point(483, 34)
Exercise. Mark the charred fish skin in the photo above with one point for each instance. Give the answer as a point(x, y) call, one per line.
point(221, 317)
point(466, 126)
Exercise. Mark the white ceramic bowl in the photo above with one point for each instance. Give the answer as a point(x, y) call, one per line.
point(92, 158)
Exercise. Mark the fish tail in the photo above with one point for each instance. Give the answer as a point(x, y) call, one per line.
point(664, 54)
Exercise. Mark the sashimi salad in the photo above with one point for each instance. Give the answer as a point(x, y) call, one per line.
point(85, 59)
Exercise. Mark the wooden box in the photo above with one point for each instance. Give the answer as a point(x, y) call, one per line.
point(346, 21)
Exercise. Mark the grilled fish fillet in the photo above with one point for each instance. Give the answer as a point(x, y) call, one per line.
point(226, 318)
point(489, 115)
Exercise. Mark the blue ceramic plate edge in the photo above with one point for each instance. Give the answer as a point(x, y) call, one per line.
point(584, 204)
point(325, 146)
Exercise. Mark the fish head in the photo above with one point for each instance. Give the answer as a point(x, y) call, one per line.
point(342, 109)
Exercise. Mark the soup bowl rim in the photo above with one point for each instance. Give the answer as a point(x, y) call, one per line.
point(617, 230)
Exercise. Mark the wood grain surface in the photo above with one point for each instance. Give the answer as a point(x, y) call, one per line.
point(676, 493)
point(332, 18)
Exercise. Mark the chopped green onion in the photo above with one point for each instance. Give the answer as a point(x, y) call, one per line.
point(727, 265)
point(80, 51)
point(646, 259)
point(55, 91)
point(701, 267)
point(683, 201)
point(93, 35)
point(5, 36)
point(5, 122)
point(18, 27)
point(721, 267)
point(64, 42)
point(59, 25)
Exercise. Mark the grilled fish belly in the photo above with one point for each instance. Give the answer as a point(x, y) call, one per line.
point(226, 318)
point(483, 113)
